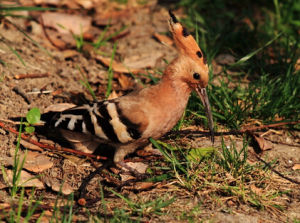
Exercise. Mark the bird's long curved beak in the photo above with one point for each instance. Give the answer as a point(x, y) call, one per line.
point(203, 96)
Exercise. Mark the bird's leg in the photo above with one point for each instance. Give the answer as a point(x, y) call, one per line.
point(119, 156)
point(82, 189)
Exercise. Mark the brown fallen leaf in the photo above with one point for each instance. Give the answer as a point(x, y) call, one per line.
point(59, 107)
point(30, 146)
point(110, 12)
point(58, 186)
point(124, 81)
point(65, 188)
point(262, 143)
point(126, 177)
point(70, 53)
point(143, 60)
point(225, 59)
point(137, 166)
point(117, 67)
point(26, 180)
point(143, 185)
point(34, 161)
point(164, 39)
point(296, 166)
point(112, 95)
point(66, 23)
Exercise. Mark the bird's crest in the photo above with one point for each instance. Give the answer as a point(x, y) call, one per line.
point(184, 41)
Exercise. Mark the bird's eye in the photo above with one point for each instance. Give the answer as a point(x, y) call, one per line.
point(196, 76)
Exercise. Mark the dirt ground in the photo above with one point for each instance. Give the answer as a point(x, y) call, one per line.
point(62, 81)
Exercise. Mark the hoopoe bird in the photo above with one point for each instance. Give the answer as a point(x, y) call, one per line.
point(127, 122)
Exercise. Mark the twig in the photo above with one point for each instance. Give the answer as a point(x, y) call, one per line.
point(22, 94)
point(45, 146)
point(251, 129)
point(235, 132)
point(23, 76)
point(48, 37)
point(40, 92)
point(277, 172)
point(283, 143)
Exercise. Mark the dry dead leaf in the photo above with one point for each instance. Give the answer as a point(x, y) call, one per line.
point(126, 177)
point(110, 12)
point(144, 60)
point(26, 180)
point(138, 166)
point(65, 188)
point(164, 39)
point(30, 146)
point(117, 67)
point(58, 186)
point(262, 143)
point(113, 95)
point(35, 162)
point(225, 59)
point(296, 166)
point(124, 81)
point(66, 23)
point(59, 107)
point(70, 53)
point(143, 185)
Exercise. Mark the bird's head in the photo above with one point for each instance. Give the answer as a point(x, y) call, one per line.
point(191, 66)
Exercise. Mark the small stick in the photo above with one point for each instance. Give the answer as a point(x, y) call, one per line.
point(40, 92)
point(60, 47)
point(23, 76)
point(235, 132)
point(251, 129)
point(45, 146)
point(277, 172)
point(22, 94)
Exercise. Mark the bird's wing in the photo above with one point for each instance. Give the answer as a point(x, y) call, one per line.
point(105, 119)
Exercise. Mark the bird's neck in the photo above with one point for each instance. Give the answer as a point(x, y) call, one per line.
point(174, 92)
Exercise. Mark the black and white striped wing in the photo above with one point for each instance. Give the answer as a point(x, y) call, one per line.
point(103, 119)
